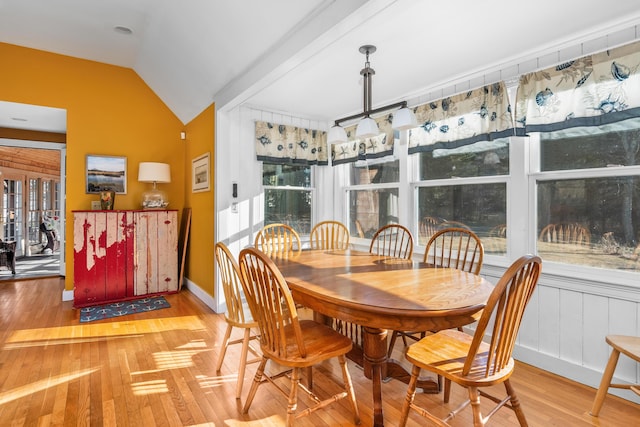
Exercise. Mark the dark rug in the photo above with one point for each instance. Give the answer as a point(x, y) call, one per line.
point(122, 308)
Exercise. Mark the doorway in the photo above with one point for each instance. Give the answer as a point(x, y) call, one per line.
point(31, 206)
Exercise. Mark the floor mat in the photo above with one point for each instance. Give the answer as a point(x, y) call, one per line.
point(122, 308)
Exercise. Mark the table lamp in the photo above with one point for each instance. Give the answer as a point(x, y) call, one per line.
point(155, 173)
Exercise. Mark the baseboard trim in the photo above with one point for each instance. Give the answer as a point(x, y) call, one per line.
point(580, 374)
point(200, 294)
point(67, 295)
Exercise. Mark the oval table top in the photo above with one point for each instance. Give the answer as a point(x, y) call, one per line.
point(384, 292)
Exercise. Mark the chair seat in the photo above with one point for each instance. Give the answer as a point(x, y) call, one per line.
point(630, 347)
point(320, 341)
point(627, 345)
point(445, 352)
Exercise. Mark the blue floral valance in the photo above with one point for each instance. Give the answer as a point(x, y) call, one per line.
point(368, 148)
point(594, 90)
point(482, 114)
point(283, 144)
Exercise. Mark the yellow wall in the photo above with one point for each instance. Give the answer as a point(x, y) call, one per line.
point(111, 111)
point(200, 140)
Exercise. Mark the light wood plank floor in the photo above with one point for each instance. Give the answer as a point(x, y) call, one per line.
point(158, 369)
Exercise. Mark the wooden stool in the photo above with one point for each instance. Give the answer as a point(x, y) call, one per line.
point(626, 345)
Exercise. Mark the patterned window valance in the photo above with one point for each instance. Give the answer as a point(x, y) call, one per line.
point(482, 114)
point(594, 90)
point(368, 148)
point(283, 144)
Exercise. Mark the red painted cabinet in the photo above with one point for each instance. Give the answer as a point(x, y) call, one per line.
point(120, 255)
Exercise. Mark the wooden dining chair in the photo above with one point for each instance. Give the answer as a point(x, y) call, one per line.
point(455, 247)
point(566, 233)
point(469, 360)
point(392, 240)
point(359, 229)
point(458, 248)
point(329, 235)
point(428, 227)
point(454, 224)
point(630, 347)
point(238, 314)
point(286, 339)
point(278, 240)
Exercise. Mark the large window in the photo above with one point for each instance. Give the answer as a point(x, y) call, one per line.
point(465, 188)
point(372, 196)
point(288, 196)
point(12, 210)
point(588, 197)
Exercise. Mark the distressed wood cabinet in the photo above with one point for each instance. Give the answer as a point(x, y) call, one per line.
point(121, 255)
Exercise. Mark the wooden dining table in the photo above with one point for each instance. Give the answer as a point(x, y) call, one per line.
point(381, 293)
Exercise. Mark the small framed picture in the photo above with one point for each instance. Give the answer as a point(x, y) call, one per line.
point(106, 173)
point(200, 173)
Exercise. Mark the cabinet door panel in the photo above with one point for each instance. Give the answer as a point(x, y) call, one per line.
point(84, 271)
point(167, 251)
point(141, 274)
point(118, 230)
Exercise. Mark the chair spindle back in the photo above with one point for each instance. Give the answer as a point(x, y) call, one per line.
point(392, 240)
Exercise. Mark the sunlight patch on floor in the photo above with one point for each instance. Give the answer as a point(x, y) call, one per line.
point(26, 390)
point(273, 420)
point(217, 381)
point(110, 329)
point(149, 387)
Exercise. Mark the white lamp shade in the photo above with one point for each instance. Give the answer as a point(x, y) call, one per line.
point(336, 135)
point(404, 119)
point(367, 128)
point(154, 172)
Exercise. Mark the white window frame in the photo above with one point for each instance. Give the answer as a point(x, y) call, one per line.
point(577, 271)
point(311, 189)
point(347, 187)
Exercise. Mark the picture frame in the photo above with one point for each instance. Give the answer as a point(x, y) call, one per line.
point(104, 173)
point(200, 173)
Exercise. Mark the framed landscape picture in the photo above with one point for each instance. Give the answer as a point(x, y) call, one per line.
point(200, 173)
point(106, 173)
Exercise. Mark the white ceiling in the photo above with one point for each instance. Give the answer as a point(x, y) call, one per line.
point(298, 57)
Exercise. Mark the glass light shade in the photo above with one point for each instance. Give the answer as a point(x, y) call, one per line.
point(337, 134)
point(154, 198)
point(154, 172)
point(404, 119)
point(367, 128)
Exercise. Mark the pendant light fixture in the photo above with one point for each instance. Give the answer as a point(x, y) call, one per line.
point(403, 119)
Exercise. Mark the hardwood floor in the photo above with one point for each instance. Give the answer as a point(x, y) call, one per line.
point(158, 369)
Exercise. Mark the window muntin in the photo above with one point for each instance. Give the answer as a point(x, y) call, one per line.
point(288, 196)
point(374, 172)
point(372, 195)
point(291, 207)
point(12, 210)
point(370, 209)
point(274, 175)
point(597, 149)
point(480, 207)
point(442, 200)
point(483, 158)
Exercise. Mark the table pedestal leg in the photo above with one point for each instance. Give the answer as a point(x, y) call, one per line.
point(374, 364)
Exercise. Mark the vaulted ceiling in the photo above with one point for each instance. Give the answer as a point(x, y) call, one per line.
point(301, 57)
